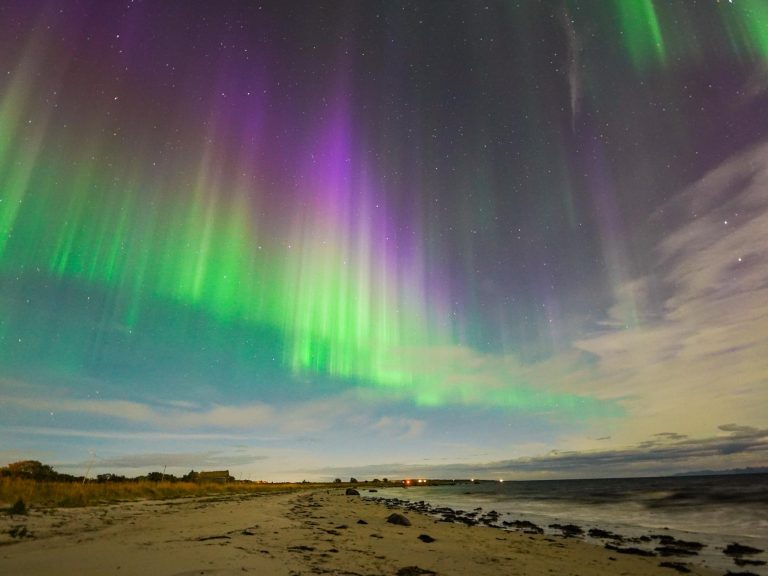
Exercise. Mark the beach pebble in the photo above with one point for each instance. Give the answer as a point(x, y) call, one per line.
point(426, 538)
point(413, 571)
point(679, 566)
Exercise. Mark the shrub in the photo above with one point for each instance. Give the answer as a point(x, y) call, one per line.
point(19, 507)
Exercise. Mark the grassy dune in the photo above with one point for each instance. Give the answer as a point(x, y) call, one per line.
point(68, 494)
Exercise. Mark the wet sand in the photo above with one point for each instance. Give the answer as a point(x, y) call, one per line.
point(322, 532)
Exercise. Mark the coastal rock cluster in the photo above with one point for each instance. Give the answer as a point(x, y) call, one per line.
point(652, 545)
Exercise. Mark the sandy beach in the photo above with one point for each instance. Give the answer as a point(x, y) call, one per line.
point(320, 532)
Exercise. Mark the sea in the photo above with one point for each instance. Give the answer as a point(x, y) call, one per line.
point(715, 510)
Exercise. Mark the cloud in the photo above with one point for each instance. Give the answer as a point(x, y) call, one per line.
point(154, 436)
point(400, 428)
point(696, 348)
point(461, 376)
point(187, 460)
point(216, 416)
point(121, 409)
point(673, 435)
point(740, 446)
point(190, 421)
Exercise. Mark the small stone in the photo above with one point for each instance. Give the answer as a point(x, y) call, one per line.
point(413, 571)
point(679, 566)
point(426, 538)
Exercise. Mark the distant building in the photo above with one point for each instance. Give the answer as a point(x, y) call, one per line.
point(221, 476)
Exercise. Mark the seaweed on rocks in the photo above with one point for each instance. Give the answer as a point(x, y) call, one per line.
point(630, 550)
point(737, 549)
point(674, 551)
point(679, 566)
point(568, 530)
point(524, 525)
point(666, 540)
point(598, 533)
point(748, 562)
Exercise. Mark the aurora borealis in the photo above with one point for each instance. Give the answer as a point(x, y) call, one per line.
point(291, 238)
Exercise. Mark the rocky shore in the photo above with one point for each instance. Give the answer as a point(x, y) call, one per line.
point(674, 553)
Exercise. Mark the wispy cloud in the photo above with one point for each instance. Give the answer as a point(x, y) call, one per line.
point(215, 416)
point(193, 421)
point(697, 347)
point(123, 434)
point(190, 460)
point(461, 376)
point(401, 428)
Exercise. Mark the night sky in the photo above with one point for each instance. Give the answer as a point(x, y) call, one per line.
point(303, 239)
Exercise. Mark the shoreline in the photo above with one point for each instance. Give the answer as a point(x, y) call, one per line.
point(676, 549)
point(312, 532)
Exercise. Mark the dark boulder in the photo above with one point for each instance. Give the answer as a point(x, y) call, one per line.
point(398, 519)
point(352, 492)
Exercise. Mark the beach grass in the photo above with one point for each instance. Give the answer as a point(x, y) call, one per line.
point(72, 494)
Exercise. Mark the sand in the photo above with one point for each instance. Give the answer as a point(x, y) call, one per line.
point(321, 532)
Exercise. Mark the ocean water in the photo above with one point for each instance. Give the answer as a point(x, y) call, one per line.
point(713, 510)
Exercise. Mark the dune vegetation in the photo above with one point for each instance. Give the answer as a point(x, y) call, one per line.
point(36, 484)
